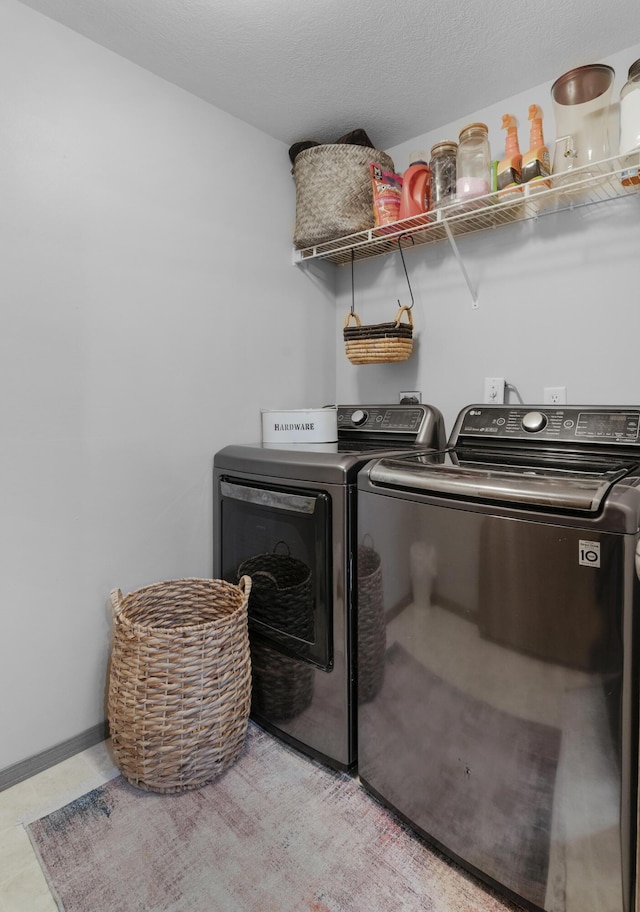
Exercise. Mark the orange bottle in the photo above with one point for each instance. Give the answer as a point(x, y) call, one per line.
point(536, 164)
point(415, 188)
point(510, 168)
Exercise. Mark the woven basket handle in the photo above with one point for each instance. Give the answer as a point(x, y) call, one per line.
point(408, 312)
point(355, 317)
point(245, 586)
point(264, 575)
point(117, 601)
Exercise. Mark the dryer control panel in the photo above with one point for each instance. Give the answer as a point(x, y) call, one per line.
point(380, 419)
point(404, 425)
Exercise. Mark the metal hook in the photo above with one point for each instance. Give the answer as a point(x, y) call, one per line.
point(405, 268)
point(353, 294)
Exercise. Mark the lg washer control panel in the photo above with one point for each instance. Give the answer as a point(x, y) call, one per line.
point(589, 424)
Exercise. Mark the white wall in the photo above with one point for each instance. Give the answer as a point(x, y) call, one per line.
point(558, 297)
point(149, 309)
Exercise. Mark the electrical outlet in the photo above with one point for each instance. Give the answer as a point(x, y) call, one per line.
point(494, 390)
point(554, 395)
point(413, 397)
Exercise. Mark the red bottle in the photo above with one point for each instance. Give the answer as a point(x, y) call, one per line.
point(415, 188)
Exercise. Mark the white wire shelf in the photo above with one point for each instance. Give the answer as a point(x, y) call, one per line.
point(593, 183)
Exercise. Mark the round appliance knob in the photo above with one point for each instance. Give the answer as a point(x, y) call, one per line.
point(359, 416)
point(534, 421)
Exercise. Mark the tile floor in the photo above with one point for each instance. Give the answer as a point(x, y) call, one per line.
point(23, 887)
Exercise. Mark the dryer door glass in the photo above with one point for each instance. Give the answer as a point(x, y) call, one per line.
point(280, 537)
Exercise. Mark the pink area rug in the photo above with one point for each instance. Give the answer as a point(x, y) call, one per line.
point(277, 832)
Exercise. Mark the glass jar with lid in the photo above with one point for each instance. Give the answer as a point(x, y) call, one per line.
point(473, 162)
point(443, 173)
point(630, 122)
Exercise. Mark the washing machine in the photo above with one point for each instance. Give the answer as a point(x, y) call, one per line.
point(505, 730)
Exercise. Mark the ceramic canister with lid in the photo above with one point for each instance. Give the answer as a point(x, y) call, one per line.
point(630, 120)
point(582, 107)
point(473, 162)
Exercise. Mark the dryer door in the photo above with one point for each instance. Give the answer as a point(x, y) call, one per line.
point(280, 537)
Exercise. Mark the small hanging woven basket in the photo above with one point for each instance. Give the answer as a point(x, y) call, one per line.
point(380, 342)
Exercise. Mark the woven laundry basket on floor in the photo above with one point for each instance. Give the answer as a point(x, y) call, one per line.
point(180, 682)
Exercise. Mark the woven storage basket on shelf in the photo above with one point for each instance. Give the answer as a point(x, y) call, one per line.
point(380, 342)
point(282, 686)
point(372, 634)
point(282, 592)
point(180, 682)
point(334, 193)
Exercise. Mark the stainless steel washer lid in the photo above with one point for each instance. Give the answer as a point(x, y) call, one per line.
point(566, 459)
point(524, 485)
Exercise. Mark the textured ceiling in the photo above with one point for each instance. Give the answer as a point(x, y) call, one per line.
point(299, 69)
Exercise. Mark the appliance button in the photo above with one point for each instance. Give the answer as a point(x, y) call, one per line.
point(359, 416)
point(534, 421)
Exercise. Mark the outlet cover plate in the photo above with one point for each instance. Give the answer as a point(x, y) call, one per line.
point(554, 395)
point(494, 390)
